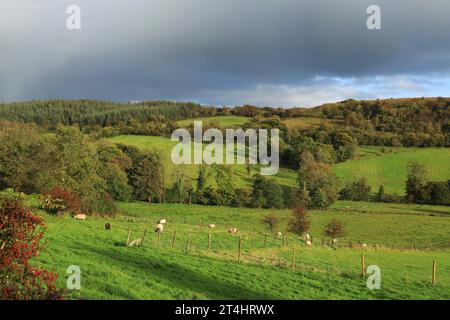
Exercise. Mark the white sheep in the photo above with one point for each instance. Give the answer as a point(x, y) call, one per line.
point(159, 228)
point(308, 237)
point(162, 221)
point(80, 216)
point(308, 243)
point(211, 225)
point(135, 243)
point(232, 230)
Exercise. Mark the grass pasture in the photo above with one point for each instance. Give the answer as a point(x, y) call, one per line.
point(112, 271)
point(390, 169)
point(164, 145)
point(223, 121)
point(305, 122)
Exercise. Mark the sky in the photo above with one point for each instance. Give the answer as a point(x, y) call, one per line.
point(279, 53)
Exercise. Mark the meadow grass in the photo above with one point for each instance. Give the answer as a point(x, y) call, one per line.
point(286, 177)
point(379, 165)
point(390, 169)
point(223, 121)
point(110, 270)
point(305, 122)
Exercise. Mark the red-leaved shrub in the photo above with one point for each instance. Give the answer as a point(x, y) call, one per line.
point(71, 201)
point(21, 238)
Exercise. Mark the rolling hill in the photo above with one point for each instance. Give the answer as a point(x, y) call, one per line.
point(110, 270)
point(389, 168)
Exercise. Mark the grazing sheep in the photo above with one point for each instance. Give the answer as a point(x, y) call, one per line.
point(212, 226)
point(162, 221)
point(232, 230)
point(159, 227)
point(364, 245)
point(108, 226)
point(307, 237)
point(80, 216)
point(135, 243)
point(308, 243)
point(278, 234)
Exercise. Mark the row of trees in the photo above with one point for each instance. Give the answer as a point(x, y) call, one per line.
point(300, 223)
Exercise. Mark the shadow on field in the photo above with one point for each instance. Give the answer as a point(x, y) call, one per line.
point(177, 276)
point(434, 212)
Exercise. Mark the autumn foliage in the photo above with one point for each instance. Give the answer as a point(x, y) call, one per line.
point(21, 238)
point(68, 199)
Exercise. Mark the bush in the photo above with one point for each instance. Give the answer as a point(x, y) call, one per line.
point(70, 200)
point(103, 206)
point(21, 238)
point(271, 222)
point(356, 191)
point(242, 198)
point(439, 193)
point(9, 195)
point(51, 205)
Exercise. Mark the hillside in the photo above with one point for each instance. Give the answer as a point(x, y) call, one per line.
point(222, 121)
point(390, 168)
point(386, 168)
point(286, 177)
point(112, 271)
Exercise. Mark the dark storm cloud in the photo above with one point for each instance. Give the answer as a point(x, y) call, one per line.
point(284, 52)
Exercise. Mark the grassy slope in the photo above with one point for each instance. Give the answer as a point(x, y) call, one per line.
point(306, 122)
point(112, 271)
point(223, 121)
point(390, 169)
point(165, 145)
point(387, 168)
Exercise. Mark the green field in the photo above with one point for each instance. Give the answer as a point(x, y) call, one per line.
point(387, 166)
point(306, 122)
point(223, 121)
point(112, 271)
point(164, 145)
point(389, 169)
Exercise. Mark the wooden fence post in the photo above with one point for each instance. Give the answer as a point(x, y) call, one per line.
point(143, 237)
point(174, 238)
point(239, 249)
point(129, 236)
point(363, 265)
point(293, 258)
point(188, 243)
point(209, 240)
point(265, 241)
point(433, 273)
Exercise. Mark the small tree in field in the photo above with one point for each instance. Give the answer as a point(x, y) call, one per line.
point(299, 223)
point(334, 229)
point(21, 238)
point(271, 221)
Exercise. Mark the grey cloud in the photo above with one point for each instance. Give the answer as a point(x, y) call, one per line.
point(219, 52)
